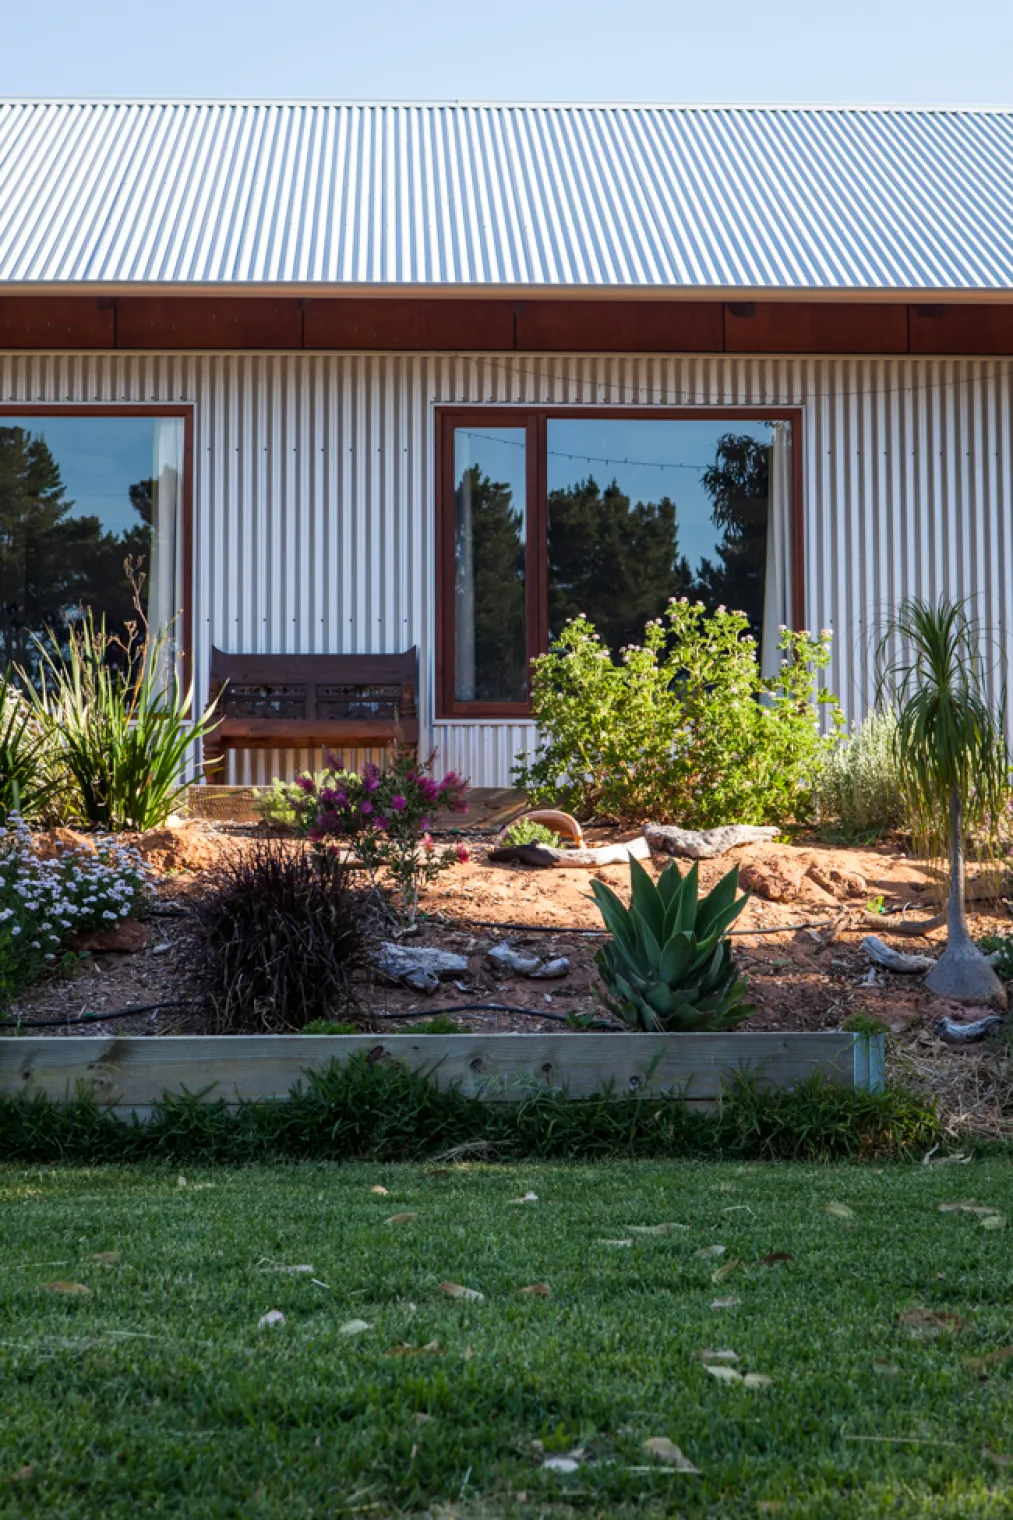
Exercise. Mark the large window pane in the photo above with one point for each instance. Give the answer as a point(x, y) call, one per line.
point(490, 624)
point(89, 509)
point(641, 510)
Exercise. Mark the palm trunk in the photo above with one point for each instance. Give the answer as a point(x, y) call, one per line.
point(956, 908)
point(962, 973)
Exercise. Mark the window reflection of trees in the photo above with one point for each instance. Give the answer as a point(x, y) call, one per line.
point(618, 561)
point(490, 591)
point(54, 563)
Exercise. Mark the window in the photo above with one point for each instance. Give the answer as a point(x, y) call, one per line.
point(91, 512)
point(546, 515)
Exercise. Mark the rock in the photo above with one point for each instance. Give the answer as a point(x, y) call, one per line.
point(840, 884)
point(505, 958)
point(123, 938)
point(548, 856)
point(189, 847)
point(777, 878)
point(880, 952)
point(418, 966)
point(706, 844)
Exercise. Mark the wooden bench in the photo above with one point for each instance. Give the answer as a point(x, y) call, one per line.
point(305, 701)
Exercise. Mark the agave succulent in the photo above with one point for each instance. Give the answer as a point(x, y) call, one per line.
point(669, 963)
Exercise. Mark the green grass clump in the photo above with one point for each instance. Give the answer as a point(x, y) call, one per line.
point(382, 1111)
point(156, 1391)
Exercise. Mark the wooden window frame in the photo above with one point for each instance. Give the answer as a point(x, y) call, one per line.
point(140, 409)
point(535, 420)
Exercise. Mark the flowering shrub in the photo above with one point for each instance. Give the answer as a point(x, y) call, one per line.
point(386, 814)
point(43, 902)
point(684, 727)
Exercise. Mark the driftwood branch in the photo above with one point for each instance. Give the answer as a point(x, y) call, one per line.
point(895, 960)
point(547, 856)
point(706, 844)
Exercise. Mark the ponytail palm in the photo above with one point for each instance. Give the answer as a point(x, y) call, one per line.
point(953, 759)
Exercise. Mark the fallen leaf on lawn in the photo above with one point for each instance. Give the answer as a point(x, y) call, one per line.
point(455, 1290)
point(181, 1180)
point(106, 1258)
point(998, 1457)
point(769, 1506)
point(401, 1219)
point(931, 1321)
point(561, 1464)
point(620, 1243)
point(527, 1198)
point(467, 1353)
point(726, 1303)
point(377, 1188)
point(272, 1317)
point(965, 1206)
point(839, 1211)
point(994, 1222)
point(655, 1229)
point(354, 1327)
point(776, 1257)
point(23, 1474)
point(885, 1369)
point(67, 1287)
point(717, 1356)
point(721, 1273)
point(421, 1417)
point(540, 1290)
point(722, 1373)
point(757, 1380)
point(707, 1251)
point(664, 1450)
point(990, 1359)
point(431, 1348)
point(299, 1267)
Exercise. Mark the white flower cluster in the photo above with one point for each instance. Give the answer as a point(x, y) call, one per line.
point(43, 902)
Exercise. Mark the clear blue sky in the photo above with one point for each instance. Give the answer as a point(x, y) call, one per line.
point(936, 51)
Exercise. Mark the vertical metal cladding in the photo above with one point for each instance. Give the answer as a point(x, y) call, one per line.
point(314, 481)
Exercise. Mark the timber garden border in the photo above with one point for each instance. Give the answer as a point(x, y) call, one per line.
point(131, 1073)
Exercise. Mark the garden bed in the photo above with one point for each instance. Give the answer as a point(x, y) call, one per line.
point(803, 979)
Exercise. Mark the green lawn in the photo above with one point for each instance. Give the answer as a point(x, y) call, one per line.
point(157, 1393)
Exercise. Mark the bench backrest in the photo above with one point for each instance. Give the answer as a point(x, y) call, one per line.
point(321, 687)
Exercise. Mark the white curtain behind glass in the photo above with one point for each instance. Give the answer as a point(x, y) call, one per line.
point(165, 572)
point(777, 586)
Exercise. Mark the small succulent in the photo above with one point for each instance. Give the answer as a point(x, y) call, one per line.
point(669, 964)
point(528, 831)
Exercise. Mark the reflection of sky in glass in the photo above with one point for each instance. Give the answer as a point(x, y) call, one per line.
point(650, 459)
point(100, 458)
point(499, 453)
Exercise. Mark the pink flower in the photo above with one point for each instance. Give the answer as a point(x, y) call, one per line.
point(306, 784)
point(423, 824)
point(462, 854)
point(380, 823)
point(327, 820)
point(366, 808)
point(427, 843)
point(430, 791)
point(398, 804)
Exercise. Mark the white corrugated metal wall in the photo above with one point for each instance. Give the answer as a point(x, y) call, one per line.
point(313, 492)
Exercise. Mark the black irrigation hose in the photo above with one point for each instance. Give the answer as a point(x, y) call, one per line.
point(92, 1018)
point(531, 1013)
point(484, 923)
point(124, 1013)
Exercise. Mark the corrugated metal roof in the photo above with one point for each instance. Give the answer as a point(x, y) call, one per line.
point(553, 197)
